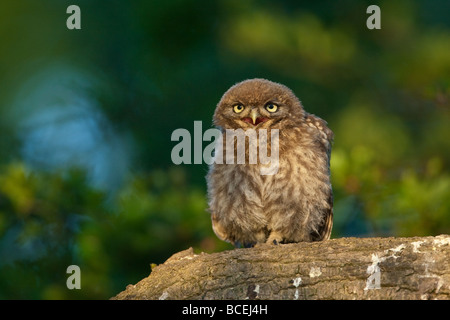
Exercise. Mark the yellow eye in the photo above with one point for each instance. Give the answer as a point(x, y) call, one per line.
point(271, 107)
point(238, 108)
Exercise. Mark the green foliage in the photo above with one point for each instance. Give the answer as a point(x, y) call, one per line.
point(50, 221)
point(86, 117)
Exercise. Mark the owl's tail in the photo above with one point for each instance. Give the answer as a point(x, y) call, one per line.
point(328, 226)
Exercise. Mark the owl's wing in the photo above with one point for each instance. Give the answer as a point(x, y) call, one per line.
point(326, 139)
point(326, 135)
point(218, 228)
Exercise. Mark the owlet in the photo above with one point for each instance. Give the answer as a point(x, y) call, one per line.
point(293, 202)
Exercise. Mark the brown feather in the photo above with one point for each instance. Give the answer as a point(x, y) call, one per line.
point(296, 203)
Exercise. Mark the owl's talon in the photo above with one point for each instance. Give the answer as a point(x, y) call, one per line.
point(274, 238)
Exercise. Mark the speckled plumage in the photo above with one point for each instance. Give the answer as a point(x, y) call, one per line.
point(293, 205)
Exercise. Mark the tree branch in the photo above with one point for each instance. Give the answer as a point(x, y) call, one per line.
point(345, 268)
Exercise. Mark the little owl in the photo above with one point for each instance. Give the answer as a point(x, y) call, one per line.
point(294, 204)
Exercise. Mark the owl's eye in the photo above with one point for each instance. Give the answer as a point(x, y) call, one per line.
point(238, 108)
point(271, 107)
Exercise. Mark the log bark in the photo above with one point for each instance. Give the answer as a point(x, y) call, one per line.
point(345, 268)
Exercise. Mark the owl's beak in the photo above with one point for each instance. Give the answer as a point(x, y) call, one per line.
point(254, 115)
point(254, 118)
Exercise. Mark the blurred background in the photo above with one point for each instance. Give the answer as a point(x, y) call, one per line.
point(86, 118)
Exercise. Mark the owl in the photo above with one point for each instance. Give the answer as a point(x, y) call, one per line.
point(292, 205)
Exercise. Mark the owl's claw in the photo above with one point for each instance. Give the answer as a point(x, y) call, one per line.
point(239, 244)
point(274, 238)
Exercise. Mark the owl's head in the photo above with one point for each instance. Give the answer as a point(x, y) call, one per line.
point(258, 104)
